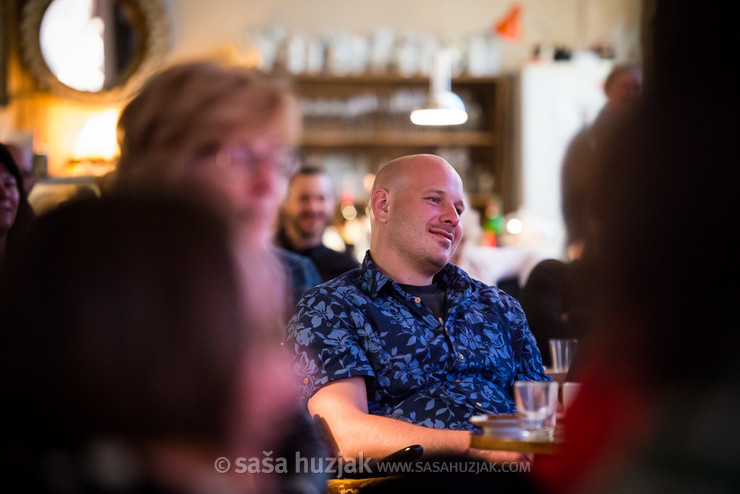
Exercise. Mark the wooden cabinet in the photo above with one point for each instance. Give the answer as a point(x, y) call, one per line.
point(354, 124)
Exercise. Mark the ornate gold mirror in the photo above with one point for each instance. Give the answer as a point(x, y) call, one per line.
point(97, 51)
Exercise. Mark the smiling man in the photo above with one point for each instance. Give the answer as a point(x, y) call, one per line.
point(305, 213)
point(406, 349)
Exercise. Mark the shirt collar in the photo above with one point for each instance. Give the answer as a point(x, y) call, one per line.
point(452, 279)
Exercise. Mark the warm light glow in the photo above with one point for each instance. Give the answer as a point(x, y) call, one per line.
point(97, 139)
point(349, 212)
point(514, 226)
point(72, 44)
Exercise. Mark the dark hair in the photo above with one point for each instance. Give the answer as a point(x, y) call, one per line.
point(307, 171)
point(122, 317)
point(25, 214)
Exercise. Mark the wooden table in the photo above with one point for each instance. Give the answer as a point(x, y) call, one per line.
point(353, 486)
point(501, 432)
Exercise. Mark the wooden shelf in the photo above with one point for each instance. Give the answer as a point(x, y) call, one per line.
point(392, 79)
point(362, 120)
point(349, 138)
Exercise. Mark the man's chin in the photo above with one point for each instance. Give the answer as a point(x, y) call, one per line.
point(439, 262)
point(311, 229)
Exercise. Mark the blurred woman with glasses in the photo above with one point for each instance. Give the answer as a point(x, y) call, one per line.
point(225, 135)
point(220, 131)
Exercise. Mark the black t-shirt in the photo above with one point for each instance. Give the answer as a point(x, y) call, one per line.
point(433, 297)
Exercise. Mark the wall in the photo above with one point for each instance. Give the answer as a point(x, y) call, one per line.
point(202, 29)
point(217, 26)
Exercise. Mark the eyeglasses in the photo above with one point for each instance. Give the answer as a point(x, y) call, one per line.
point(242, 159)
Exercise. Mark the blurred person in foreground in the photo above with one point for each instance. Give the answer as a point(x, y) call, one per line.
point(128, 361)
point(223, 134)
point(307, 210)
point(658, 408)
point(406, 349)
point(622, 88)
point(15, 211)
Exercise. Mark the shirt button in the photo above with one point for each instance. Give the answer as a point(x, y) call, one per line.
point(305, 380)
point(457, 380)
point(477, 403)
point(417, 300)
point(461, 356)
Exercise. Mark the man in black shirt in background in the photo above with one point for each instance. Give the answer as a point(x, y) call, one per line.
point(307, 210)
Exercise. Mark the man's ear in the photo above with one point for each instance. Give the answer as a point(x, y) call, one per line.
point(379, 203)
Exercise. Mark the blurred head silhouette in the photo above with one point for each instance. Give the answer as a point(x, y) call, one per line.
point(124, 324)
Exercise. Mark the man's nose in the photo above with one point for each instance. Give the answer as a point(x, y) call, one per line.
point(316, 205)
point(450, 215)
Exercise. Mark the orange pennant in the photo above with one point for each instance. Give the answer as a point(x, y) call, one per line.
point(510, 27)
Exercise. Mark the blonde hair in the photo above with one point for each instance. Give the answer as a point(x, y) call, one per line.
point(189, 107)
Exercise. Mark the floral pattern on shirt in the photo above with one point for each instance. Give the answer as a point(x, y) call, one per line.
point(416, 368)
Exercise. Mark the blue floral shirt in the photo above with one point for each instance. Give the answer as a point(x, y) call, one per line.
point(416, 368)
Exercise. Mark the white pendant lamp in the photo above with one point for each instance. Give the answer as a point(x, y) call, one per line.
point(443, 107)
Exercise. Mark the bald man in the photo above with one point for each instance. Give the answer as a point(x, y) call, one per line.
point(406, 349)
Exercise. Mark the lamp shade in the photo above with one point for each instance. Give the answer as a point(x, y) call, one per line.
point(443, 107)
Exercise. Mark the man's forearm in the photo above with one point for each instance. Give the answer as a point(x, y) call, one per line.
point(343, 405)
point(375, 436)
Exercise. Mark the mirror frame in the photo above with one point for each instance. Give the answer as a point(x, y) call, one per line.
point(150, 20)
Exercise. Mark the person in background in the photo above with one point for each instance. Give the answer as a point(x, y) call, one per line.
point(406, 349)
point(24, 159)
point(554, 304)
point(307, 210)
point(129, 363)
point(553, 299)
point(658, 406)
point(622, 88)
point(15, 211)
point(302, 275)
